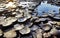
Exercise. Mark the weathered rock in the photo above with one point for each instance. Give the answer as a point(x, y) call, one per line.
point(46, 35)
point(57, 26)
point(37, 20)
point(51, 22)
point(23, 19)
point(29, 24)
point(57, 16)
point(34, 34)
point(58, 23)
point(1, 32)
point(33, 18)
point(39, 33)
point(51, 14)
point(54, 36)
point(43, 19)
point(9, 21)
point(19, 15)
point(28, 16)
point(8, 37)
point(53, 31)
point(18, 26)
point(46, 27)
point(10, 5)
point(2, 19)
point(44, 15)
point(25, 30)
point(2, 9)
point(34, 27)
point(10, 34)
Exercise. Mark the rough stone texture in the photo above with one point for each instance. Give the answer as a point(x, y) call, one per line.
point(10, 33)
point(20, 20)
point(25, 30)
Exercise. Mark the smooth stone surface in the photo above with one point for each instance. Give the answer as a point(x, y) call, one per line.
point(1, 32)
point(34, 27)
point(46, 27)
point(23, 19)
point(9, 21)
point(53, 31)
point(18, 26)
point(46, 35)
point(10, 33)
point(39, 33)
point(25, 30)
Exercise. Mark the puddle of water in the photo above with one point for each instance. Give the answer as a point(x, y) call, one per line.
point(47, 8)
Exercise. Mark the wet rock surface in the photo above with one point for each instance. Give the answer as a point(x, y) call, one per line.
point(20, 20)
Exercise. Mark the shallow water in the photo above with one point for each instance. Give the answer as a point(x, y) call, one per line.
point(47, 8)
